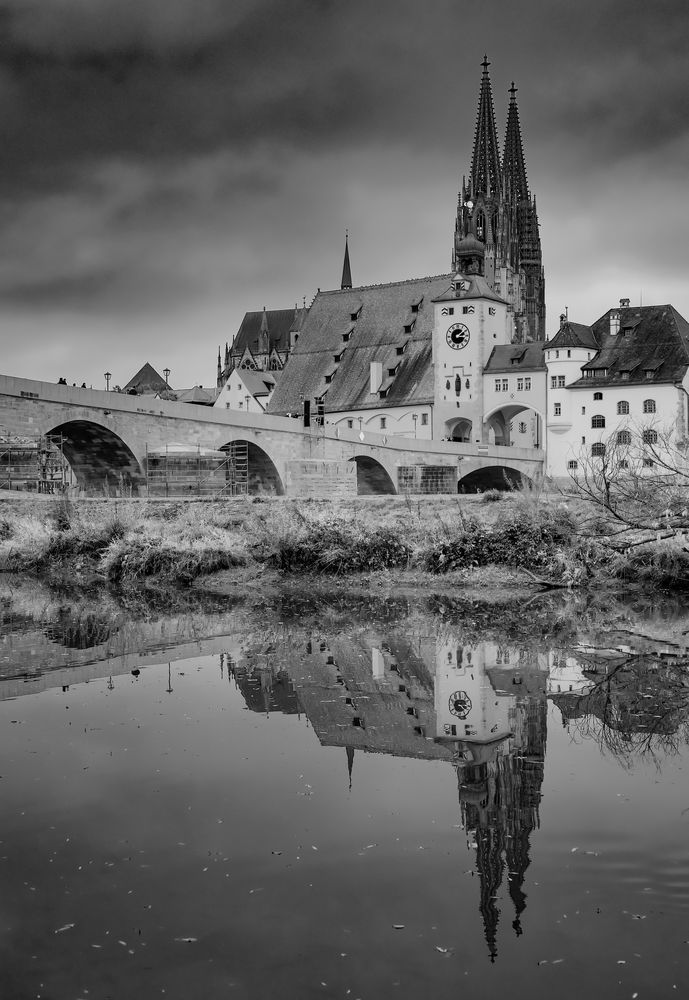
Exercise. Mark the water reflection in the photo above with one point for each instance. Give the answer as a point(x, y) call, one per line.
point(464, 684)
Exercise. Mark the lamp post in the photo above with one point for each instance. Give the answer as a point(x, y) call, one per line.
point(246, 403)
point(107, 378)
point(166, 373)
point(415, 417)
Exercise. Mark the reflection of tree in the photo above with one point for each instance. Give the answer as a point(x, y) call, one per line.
point(638, 707)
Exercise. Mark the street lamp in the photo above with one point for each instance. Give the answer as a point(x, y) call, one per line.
point(166, 373)
point(415, 417)
point(246, 402)
point(107, 378)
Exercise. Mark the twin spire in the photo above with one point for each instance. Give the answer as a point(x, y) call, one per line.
point(489, 177)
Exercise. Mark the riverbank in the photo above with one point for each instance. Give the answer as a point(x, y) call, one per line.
point(517, 539)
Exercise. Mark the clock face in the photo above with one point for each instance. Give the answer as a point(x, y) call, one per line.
point(457, 336)
point(460, 704)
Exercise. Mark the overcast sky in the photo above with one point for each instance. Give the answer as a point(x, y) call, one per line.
point(167, 165)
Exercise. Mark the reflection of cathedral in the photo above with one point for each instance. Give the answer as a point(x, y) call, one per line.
point(481, 707)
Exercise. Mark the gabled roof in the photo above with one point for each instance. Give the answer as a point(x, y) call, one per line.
point(573, 335)
point(197, 394)
point(516, 358)
point(146, 381)
point(280, 322)
point(258, 383)
point(652, 346)
point(376, 335)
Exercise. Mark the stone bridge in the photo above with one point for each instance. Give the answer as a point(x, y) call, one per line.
point(108, 439)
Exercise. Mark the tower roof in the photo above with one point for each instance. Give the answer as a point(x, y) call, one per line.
point(346, 269)
point(485, 160)
point(513, 167)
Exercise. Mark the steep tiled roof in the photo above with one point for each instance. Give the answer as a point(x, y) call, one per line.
point(652, 346)
point(516, 358)
point(573, 335)
point(258, 383)
point(146, 381)
point(197, 394)
point(280, 322)
point(386, 322)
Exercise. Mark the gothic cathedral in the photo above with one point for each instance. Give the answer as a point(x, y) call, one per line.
point(496, 209)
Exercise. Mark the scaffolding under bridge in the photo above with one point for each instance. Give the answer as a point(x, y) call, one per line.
point(34, 464)
point(179, 471)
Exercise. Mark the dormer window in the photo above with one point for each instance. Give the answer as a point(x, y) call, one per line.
point(415, 306)
point(329, 378)
point(408, 327)
point(354, 315)
point(392, 372)
point(401, 348)
point(649, 373)
point(383, 393)
point(346, 336)
point(624, 375)
point(338, 357)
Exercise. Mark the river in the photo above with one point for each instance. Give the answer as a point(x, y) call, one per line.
point(342, 795)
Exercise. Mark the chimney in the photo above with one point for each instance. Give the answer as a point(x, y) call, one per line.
point(376, 376)
point(615, 320)
point(624, 303)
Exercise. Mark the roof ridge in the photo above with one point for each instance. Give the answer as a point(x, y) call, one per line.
point(386, 284)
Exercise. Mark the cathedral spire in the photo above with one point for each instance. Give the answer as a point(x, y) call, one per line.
point(485, 160)
point(346, 269)
point(513, 167)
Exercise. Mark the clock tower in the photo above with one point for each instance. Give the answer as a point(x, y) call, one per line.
point(469, 321)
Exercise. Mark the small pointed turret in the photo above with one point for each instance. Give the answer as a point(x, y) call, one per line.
point(264, 335)
point(485, 160)
point(346, 269)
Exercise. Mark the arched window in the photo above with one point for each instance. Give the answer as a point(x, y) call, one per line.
point(624, 437)
point(597, 395)
point(598, 449)
point(598, 420)
point(649, 406)
point(650, 437)
point(622, 407)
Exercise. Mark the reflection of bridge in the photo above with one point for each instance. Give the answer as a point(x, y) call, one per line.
point(106, 437)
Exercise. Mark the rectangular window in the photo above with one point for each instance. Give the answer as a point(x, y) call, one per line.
point(557, 354)
point(350, 423)
point(583, 440)
point(520, 385)
point(569, 354)
point(383, 423)
point(527, 384)
point(553, 382)
point(467, 310)
point(561, 381)
point(572, 464)
point(491, 310)
point(497, 385)
point(558, 409)
point(522, 427)
point(583, 410)
point(447, 311)
point(505, 385)
point(424, 419)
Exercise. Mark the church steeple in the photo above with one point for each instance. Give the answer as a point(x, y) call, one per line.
point(346, 269)
point(485, 160)
point(513, 167)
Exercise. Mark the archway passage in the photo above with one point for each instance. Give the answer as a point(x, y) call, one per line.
point(100, 460)
point(494, 477)
point(371, 478)
point(250, 470)
point(460, 430)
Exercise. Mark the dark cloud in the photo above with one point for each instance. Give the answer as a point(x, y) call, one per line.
point(168, 152)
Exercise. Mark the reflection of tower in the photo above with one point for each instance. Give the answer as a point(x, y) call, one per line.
point(499, 799)
point(350, 764)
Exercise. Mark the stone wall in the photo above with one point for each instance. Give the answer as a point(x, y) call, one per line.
point(427, 479)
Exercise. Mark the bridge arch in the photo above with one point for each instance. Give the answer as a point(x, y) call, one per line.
point(493, 477)
point(372, 478)
point(459, 429)
point(500, 418)
point(102, 462)
point(251, 469)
